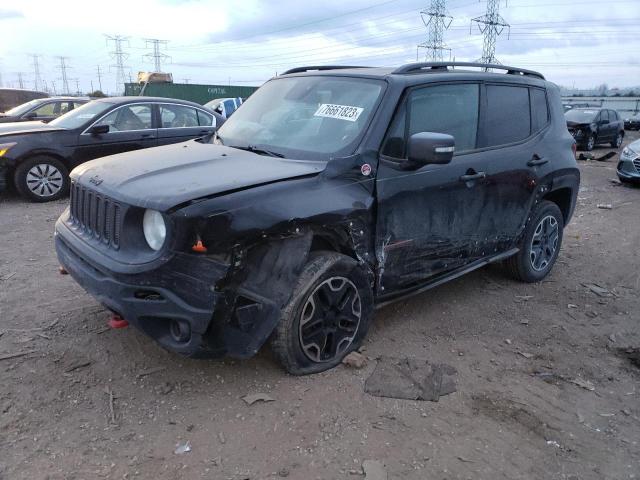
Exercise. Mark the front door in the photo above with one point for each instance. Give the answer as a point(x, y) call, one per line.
point(131, 127)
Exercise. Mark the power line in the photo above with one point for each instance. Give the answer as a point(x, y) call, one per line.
point(119, 56)
point(157, 56)
point(63, 70)
point(491, 25)
point(437, 22)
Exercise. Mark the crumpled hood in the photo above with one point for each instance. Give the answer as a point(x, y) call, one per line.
point(16, 128)
point(163, 177)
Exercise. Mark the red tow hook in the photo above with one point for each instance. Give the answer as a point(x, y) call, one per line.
point(116, 321)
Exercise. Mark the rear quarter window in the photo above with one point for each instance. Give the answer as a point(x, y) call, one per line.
point(539, 109)
point(507, 118)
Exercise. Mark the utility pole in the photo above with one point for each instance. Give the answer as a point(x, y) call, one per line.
point(119, 56)
point(63, 69)
point(37, 79)
point(186, 80)
point(53, 87)
point(437, 20)
point(491, 25)
point(99, 80)
point(77, 86)
point(157, 56)
point(20, 81)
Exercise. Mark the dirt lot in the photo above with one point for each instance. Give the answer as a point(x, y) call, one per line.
point(87, 402)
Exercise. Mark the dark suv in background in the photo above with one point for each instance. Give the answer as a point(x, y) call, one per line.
point(593, 126)
point(330, 192)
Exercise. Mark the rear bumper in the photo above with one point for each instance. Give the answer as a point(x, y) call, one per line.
point(151, 300)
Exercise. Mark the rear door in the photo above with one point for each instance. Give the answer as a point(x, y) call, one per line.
point(131, 127)
point(179, 123)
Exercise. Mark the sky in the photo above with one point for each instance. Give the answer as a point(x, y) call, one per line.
point(578, 44)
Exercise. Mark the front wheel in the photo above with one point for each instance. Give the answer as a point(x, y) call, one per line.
point(591, 142)
point(41, 179)
point(327, 316)
point(540, 245)
point(617, 143)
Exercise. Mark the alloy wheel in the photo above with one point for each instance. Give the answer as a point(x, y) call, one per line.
point(619, 140)
point(44, 180)
point(544, 243)
point(330, 319)
point(591, 142)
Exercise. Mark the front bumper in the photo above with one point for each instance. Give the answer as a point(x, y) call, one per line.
point(628, 170)
point(179, 290)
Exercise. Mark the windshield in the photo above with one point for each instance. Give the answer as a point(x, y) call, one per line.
point(81, 115)
point(311, 118)
point(25, 107)
point(581, 116)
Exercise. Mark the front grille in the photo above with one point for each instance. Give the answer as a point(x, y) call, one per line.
point(636, 163)
point(95, 215)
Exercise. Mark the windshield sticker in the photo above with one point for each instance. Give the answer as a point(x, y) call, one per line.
point(341, 112)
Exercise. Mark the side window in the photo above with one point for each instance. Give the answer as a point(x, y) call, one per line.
point(508, 117)
point(204, 119)
point(47, 109)
point(604, 115)
point(134, 117)
point(178, 116)
point(65, 107)
point(76, 105)
point(450, 109)
point(613, 115)
point(539, 109)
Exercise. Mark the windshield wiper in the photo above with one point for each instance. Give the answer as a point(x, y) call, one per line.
point(258, 150)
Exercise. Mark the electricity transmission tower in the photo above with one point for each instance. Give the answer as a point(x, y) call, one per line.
point(157, 56)
point(63, 70)
point(20, 81)
point(119, 56)
point(99, 79)
point(436, 19)
point(37, 79)
point(491, 25)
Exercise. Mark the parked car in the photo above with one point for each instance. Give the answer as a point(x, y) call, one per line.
point(36, 157)
point(224, 106)
point(42, 109)
point(593, 126)
point(330, 192)
point(11, 97)
point(632, 122)
point(629, 164)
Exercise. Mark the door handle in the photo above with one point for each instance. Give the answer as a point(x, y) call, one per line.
point(472, 176)
point(146, 135)
point(536, 161)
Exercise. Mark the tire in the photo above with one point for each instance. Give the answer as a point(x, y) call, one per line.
point(591, 142)
point(532, 264)
point(617, 143)
point(315, 302)
point(41, 179)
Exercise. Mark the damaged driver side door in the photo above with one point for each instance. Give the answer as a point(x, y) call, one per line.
point(431, 218)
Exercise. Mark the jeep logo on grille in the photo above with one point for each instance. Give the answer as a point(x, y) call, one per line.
point(96, 180)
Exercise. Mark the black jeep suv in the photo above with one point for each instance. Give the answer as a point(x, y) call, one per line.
point(330, 192)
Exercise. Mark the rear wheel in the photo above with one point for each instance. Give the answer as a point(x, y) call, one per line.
point(617, 143)
point(327, 317)
point(540, 245)
point(41, 179)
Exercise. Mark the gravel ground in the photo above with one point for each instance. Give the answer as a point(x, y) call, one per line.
point(546, 389)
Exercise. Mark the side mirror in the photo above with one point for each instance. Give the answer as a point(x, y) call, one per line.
point(99, 129)
point(427, 148)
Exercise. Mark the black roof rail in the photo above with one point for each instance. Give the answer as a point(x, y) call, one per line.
point(435, 66)
point(320, 67)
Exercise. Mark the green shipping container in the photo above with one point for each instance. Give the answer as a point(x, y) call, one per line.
point(189, 91)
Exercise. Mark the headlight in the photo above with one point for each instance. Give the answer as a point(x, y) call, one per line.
point(5, 147)
point(155, 230)
point(628, 154)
